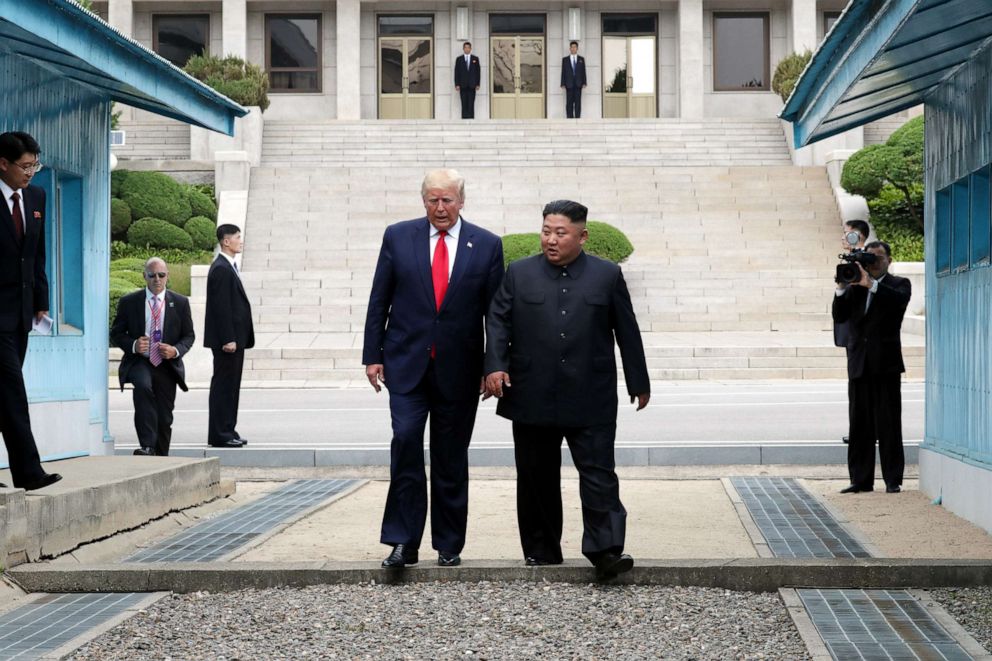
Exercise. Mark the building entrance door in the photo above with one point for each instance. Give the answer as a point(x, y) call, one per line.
point(629, 77)
point(518, 77)
point(406, 69)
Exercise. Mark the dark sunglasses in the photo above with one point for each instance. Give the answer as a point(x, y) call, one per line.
point(156, 275)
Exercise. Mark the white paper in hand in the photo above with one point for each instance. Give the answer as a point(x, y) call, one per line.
point(42, 326)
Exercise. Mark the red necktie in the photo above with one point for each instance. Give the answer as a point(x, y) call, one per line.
point(439, 273)
point(15, 214)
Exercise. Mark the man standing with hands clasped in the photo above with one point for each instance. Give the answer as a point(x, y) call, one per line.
point(468, 75)
point(550, 360)
point(227, 331)
point(424, 341)
point(573, 79)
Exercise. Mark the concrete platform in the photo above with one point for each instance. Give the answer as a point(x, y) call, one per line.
point(99, 497)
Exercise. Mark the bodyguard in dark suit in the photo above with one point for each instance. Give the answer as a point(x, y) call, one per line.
point(154, 329)
point(873, 309)
point(424, 340)
point(551, 329)
point(23, 298)
point(227, 331)
point(468, 76)
point(573, 79)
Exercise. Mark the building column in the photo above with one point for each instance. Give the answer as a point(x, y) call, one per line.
point(349, 92)
point(234, 30)
point(691, 46)
point(803, 26)
point(120, 14)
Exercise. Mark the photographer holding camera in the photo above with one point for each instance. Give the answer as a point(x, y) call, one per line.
point(855, 234)
point(872, 302)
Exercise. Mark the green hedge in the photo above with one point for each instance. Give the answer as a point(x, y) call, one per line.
point(120, 217)
point(117, 178)
point(203, 231)
point(155, 195)
point(604, 241)
point(133, 264)
point(135, 279)
point(201, 204)
point(240, 81)
point(115, 297)
point(122, 283)
point(787, 73)
point(157, 233)
point(120, 251)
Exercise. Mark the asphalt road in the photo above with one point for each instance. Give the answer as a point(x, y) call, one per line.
point(680, 414)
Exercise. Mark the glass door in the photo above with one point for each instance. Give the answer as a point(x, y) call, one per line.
point(517, 77)
point(406, 66)
point(629, 80)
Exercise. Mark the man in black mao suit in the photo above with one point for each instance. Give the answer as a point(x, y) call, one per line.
point(424, 340)
point(227, 331)
point(154, 329)
point(550, 330)
point(468, 76)
point(873, 308)
point(573, 79)
point(23, 298)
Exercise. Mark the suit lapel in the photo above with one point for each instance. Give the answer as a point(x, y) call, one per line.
point(169, 327)
point(421, 247)
point(7, 221)
point(462, 259)
point(31, 226)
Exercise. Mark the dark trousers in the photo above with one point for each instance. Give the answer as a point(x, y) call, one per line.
point(154, 399)
point(876, 404)
point(537, 451)
point(573, 102)
point(15, 420)
point(468, 102)
point(450, 433)
point(225, 393)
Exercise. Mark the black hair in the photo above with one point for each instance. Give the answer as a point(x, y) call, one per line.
point(467, 43)
point(574, 211)
point(880, 244)
point(226, 230)
point(859, 226)
point(15, 144)
point(573, 43)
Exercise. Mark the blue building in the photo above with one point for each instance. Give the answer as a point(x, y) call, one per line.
point(882, 57)
point(60, 69)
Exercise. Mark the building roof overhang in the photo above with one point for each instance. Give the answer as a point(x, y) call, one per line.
point(65, 38)
point(883, 56)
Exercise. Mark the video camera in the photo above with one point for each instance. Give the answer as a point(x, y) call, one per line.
point(848, 272)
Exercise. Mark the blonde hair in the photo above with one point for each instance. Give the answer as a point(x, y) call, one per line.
point(446, 179)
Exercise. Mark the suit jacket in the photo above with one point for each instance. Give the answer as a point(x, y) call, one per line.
point(873, 343)
point(23, 283)
point(467, 77)
point(554, 336)
point(403, 322)
point(228, 312)
point(570, 80)
point(129, 325)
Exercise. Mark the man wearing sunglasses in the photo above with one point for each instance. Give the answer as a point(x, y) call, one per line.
point(154, 329)
point(23, 298)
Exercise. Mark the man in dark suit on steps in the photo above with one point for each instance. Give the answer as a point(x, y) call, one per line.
point(154, 329)
point(424, 341)
point(23, 299)
point(227, 331)
point(873, 309)
point(468, 76)
point(551, 329)
point(573, 79)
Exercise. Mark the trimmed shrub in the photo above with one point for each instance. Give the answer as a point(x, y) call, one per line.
point(121, 283)
point(115, 297)
point(787, 73)
point(117, 178)
point(133, 264)
point(518, 246)
point(155, 195)
point(240, 81)
point(133, 278)
point(604, 241)
point(120, 217)
point(157, 233)
point(201, 204)
point(203, 231)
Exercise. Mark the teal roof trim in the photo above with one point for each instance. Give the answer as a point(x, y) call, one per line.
point(74, 43)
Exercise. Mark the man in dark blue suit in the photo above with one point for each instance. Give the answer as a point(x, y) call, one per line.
point(468, 76)
point(424, 340)
point(573, 79)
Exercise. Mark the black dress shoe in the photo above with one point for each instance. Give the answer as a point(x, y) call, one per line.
point(232, 443)
point(244, 441)
point(402, 556)
point(2, 485)
point(610, 564)
point(144, 452)
point(445, 559)
point(845, 439)
point(531, 561)
point(46, 480)
point(893, 488)
point(853, 488)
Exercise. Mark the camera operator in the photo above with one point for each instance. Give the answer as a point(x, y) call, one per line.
point(873, 307)
point(855, 234)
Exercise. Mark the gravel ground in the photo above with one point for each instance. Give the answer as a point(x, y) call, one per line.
point(458, 621)
point(972, 608)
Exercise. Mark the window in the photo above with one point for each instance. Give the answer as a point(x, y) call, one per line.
point(292, 53)
point(981, 219)
point(942, 229)
point(961, 220)
point(829, 18)
point(177, 38)
point(516, 24)
point(629, 24)
point(740, 52)
point(408, 26)
point(64, 248)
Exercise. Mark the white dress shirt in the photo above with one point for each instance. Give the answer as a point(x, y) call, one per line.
point(450, 241)
point(148, 318)
point(7, 192)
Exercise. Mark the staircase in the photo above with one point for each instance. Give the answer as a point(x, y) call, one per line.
point(732, 275)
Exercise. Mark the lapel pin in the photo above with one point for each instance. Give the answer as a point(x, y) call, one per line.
point(172, 304)
point(37, 214)
point(469, 244)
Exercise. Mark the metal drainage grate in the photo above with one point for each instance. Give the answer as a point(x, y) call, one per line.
point(217, 537)
point(878, 624)
point(53, 620)
point(793, 523)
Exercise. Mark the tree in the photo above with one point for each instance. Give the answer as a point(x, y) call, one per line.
point(787, 73)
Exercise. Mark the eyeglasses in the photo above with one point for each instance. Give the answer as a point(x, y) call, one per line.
point(151, 276)
point(32, 168)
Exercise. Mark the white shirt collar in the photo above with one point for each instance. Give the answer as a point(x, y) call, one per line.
point(149, 295)
point(227, 257)
point(8, 191)
point(452, 231)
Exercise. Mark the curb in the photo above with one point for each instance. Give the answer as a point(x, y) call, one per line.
point(753, 574)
